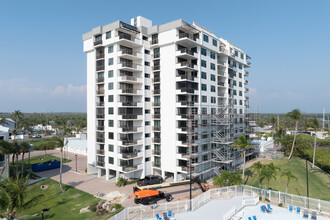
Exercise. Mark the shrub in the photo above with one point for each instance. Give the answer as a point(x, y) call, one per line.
point(280, 204)
point(260, 198)
point(131, 181)
point(92, 206)
point(86, 170)
point(121, 182)
point(116, 206)
point(267, 200)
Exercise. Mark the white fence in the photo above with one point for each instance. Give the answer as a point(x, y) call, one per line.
point(150, 211)
point(229, 214)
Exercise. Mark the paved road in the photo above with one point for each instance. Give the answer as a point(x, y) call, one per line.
point(91, 184)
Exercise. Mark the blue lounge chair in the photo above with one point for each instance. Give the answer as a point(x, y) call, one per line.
point(298, 210)
point(263, 209)
point(313, 217)
point(170, 214)
point(269, 207)
point(158, 217)
point(250, 218)
point(267, 210)
point(254, 217)
point(290, 208)
point(165, 216)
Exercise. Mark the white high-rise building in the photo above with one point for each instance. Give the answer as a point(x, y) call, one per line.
point(161, 98)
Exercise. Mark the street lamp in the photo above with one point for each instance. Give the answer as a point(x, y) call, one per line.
point(307, 183)
point(42, 212)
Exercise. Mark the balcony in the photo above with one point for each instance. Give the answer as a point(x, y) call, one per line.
point(128, 154)
point(156, 128)
point(246, 82)
point(186, 54)
point(186, 66)
point(246, 89)
point(129, 168)
point(156, 91)
point(98, 42)
point(128, 142)
point(187, 40)
point(100, 139)
point(128, 129)
point(248, 63)
point(231, 66)
point(128, 40)
point(100, 115)
point(231, 85)
point(100, 104)
point(156, 116)
point(221, 84)
point(99, 68)
point(129, 66)
point(100, 92)
point(186, 77)
point(156, 164)
point(154, 41)
point(130, 79)
point(188, 90)
point(130, 104)
point(156, 104)
point(131, 91)
point(221, 63)
point(129, 54)
point(231, 75)
point(100, 164)
point(156, 152)
point(156, 80)
point(186, 103)
point(246, 73)
point(101, 152)
point(156, 67)
point(100, 80)
point(100, 128)
point(156, 140)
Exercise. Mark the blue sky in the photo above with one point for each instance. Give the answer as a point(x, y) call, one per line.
point(43, 67)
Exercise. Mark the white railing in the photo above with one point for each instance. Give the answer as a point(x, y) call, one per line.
point(250, 197)
point(229, 214)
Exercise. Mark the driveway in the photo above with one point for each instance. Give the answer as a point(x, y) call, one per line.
point(93, 185)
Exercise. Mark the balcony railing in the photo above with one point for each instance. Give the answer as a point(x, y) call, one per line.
point(187, 90)
point(188, 103)
point(100, 128)
point(128, 142)
point(221, 83)
point(100, 164)
point(100, 104)
point(246, 89)
point(156, 104)
point(100, 91)
point(156, 80)
point(99, 56)
point(99, 115)
point(129, 116)
point(130, 90)
point(128, 129)
point(156, 91)
point(156, 164)
point(100, 139)
point(156, 152)
point(187, 51)
point(156, 67)
point(156, 116)
point(246, 73)
point(100, 79)
point(156, 140)
point(246, 82)
point(129, 78)
point(248, 63)
point(129, 65)
point(125, 36)
point(128, 51)
point(129, 154)
point(187, 64)
point(98, 42)
point(231, 75)
point(99, 68)
point(100, 152)
point(154, 41)
point(187, 77)
point(156, 128)
point(128, 168)
point(186, 35)
point(125, 103)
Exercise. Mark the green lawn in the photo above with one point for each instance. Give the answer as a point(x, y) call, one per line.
point(62, 206)
point(319, 182)
point(40, 143)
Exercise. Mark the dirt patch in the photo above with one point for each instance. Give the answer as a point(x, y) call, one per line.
point(76, 195)
point(43, 187)
point(115, 197)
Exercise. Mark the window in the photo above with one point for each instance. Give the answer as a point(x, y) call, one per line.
point(204, 136)
point(203, 63)
point(213, 111)
point(213, 100)
point(110, 111)
point(110, 160)
point(110, 61)
point(110, 86)
point(145, 38)
point(240, 102)
point(147, 87)
point(147, 111)
point(147, 63)
point(204, 147)
point(98, 38)
point(234, 82)
point(110, 49)
point(240, 93)
point(147, 51)
point(215, 42)
point(240, 84)
point(110, 73)
point(147, 75)
point(110, 98)
point(204, 110)
point(242, 56)
point(212, 88)
point(108, 35)
point(147, 99)
point(110, 123)
point(147, 159)
point(203, 51)
point(110, 146)
point(204, 98)
point(147, 135)
point(234, 64)
point(147, 147)
point(236, 53)
point(234, 92)
point(212, 77)
point(147, 123)
point(205, 38)
point(240, 75)
point(212, 66)
point(240, 66)
point(204, 75)
point(203, 87)
point(156, 52)
point(205, 157)
point(212, 55)
point(110, 134)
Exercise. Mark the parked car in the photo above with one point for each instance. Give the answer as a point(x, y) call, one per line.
point(150, 180)
point(37, 136)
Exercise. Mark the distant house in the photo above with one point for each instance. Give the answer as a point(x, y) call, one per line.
point(77, 145)
point(10, 123)
point(4, 133)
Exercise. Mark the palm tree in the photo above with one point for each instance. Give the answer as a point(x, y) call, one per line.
point(6, 149)
point(289, 176)
point(230, 178)
point(243, 144)
point(314, 123)
point(17, 114)
point(296, 115)
point(61, 143)
point(3, 121)
point(12, 196)
point(268, 172)
point(257, 167)
point(24, 146)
